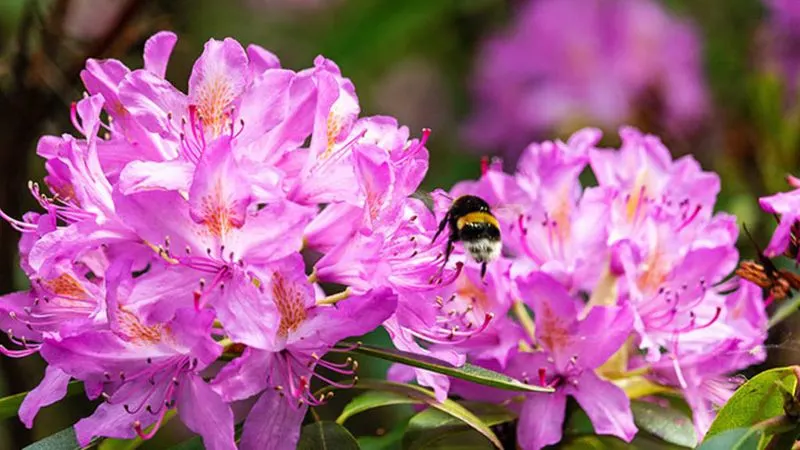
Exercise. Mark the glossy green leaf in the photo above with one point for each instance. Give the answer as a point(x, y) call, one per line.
point(666, 423)
point(755, 401)
point(10, 405)
point(734, 439)
point(466, 372)
point(326, 435)
point(456, 439)
point(433, 428)
point(642, 441)
point(448, 406)
point(63, 440)
point(389, 441)
point(374, 399)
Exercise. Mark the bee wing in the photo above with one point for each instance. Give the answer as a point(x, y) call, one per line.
point(430, 198)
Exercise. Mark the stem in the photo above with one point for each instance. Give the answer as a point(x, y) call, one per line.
point(313, 277)
point(787, 308)
point(335, 298)
point(525, 319)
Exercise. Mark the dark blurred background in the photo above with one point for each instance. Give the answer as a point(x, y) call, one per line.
point(717, 79)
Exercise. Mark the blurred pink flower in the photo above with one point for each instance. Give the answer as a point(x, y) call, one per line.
point(783, 39)
point(568, 62)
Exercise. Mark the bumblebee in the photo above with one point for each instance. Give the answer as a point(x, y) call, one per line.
point(471, 222)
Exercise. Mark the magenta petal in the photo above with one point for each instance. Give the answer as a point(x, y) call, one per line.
point(245, 376)
point(203, 411)
point(218, 77)
point(606, 405)
point(110, 418)
point(247, 314)
point(273, 424)
point(219, 195)
point(52, 389)
point(782, 235)
point(541, 420)
point(150, 99)
point(157, 50)
point(261, 59)
point(612, 324)
point(140, 176)
point(354, 316)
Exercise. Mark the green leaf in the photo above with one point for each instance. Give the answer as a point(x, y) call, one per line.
point(466, 372)
point(195, 443)
point(668, 424)
point(326, 436)
point(433, 428)
point(63, 440)
point(734, 439)
point(755, 401)
point(448, 406)
point(374, 399)
point(10, 405)
point(389, 441)
point(457, 439)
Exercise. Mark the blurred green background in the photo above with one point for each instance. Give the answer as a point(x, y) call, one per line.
point(411, 59)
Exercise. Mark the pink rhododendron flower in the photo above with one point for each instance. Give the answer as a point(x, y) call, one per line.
point(172, 231)
point(643, 249)
point(562, 63)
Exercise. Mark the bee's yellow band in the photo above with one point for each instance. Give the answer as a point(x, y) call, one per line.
point(477, 217)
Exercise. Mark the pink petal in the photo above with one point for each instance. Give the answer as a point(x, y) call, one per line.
point(203, 411)
point(52, 389)
point(245, 376)
point(140, 176)
point(606, 405)
point(613, 324)
point(219, 195)
point(248, 315)
point(273, 423)
point(541, 420)
point(157, 50)
point(150, 100)
point(261, 59)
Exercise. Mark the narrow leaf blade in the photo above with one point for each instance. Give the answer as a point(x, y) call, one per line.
point(63, 440)
point(326, 435)
point(466, 372)
point(374, 399)
point(448, 406)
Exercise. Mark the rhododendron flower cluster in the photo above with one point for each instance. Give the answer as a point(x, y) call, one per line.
point(173, 228)
point(627, 283)
point(176, 261)
point(563, 63)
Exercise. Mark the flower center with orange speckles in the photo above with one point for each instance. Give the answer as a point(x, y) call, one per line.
point(213, 103)
point(217, 215)
point(333, 127)
point(554, 332)
point(135, 331)
point(66, 286)
point(289, 301)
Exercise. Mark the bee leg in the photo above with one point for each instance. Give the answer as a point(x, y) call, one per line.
point(442, 224)
point(483, 271)
point(447, 252)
